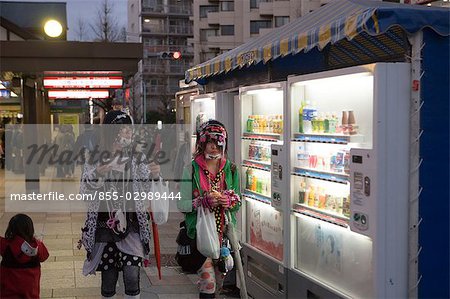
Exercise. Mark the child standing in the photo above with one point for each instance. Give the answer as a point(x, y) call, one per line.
point(22, 253)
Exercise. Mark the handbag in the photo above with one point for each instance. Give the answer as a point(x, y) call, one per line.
point(207, 237)
point(187, 256)
point(160, 205)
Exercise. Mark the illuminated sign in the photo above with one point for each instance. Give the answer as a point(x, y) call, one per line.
point(78, 94)
point(82, 82)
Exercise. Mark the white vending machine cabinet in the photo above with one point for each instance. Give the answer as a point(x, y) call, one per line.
point(279, 176)
point(349, 186)
point(363, 191)
point(262, 155)
point(218, 106)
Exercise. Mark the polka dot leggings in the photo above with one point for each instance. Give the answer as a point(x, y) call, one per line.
point(113, 261)
point(210, 279)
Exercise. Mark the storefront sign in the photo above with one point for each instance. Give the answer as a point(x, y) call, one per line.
point(82, 82)
point(78, 94)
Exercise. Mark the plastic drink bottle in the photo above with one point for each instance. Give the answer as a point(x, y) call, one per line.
point(300, 117)
point(309, 113)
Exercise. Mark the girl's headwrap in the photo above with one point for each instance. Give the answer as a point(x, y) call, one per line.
point(212, 130)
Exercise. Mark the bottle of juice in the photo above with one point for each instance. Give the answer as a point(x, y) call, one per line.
point(302, 192)
point(247, 178)
point(322, 199)
point(300, 117)
point(250, 124)
point(320, 123)
point(259, 186)
point(311, 196)
point(254, 181)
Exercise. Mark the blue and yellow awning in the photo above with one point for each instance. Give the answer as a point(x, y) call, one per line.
point(334, 22)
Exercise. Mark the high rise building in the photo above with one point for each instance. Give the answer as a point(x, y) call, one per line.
point(163, 26)
point(222, 25)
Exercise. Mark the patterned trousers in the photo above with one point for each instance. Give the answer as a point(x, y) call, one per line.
point(210, 279)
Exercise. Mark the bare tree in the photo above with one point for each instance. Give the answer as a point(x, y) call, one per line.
point(106, 28)
point(123, 34)
point(81, 30)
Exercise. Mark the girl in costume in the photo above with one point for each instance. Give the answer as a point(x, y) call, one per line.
point(116, 234)
point(22, 255)
point(215, 185)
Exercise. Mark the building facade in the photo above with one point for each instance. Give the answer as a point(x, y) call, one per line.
point(220, 26)
point(163, 26)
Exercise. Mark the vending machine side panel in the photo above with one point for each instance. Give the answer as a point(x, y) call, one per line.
point(391, 147)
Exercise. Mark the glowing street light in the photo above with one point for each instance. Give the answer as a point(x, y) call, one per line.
point(53, 28)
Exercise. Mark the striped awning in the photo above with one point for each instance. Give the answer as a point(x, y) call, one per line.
point(336, 21)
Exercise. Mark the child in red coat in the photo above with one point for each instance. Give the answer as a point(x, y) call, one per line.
point(20, 269)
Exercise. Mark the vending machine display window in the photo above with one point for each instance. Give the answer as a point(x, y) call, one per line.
point(261, 126)
point(349, 144)
point(265, 229)
point(335, 255)
point(203, 108)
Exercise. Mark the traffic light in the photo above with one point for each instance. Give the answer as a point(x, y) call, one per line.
point(170, 55)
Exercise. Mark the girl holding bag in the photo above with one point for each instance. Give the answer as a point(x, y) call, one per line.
point(213, 192)
point(116, 234)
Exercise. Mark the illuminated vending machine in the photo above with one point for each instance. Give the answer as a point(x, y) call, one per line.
point(218, 106)
point(349, 155)
point(261, 153)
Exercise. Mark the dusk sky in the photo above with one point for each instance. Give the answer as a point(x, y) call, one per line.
point(87, 11)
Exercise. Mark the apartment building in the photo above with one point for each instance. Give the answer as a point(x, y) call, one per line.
point(222, 25)
point(162, 26)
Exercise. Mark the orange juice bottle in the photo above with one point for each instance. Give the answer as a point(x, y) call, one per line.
point(311, 196)
point(254, 181)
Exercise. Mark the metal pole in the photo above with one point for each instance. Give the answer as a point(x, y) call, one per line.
point(144, 101)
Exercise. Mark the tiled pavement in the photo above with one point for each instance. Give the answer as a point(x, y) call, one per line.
point(61, 273)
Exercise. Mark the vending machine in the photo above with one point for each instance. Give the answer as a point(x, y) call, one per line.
point(262, 154)
point(218, 106)
point(349, 155)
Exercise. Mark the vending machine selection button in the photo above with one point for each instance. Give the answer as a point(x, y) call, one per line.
point(358, 180)
point(367, 186)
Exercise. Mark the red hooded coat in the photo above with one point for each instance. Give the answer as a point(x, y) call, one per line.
point(20, 269)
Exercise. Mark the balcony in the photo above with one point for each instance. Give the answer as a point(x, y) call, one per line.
point(185, 50)
point(221, 42)
point(172, 69)
point(266, 8)
point(160, 10)
point(213, 18)
point(162, 89)
point(180, 30)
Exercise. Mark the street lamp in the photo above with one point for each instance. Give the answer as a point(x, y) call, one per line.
point(53, 28)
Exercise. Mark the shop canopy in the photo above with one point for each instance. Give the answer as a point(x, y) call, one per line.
point(363, 31)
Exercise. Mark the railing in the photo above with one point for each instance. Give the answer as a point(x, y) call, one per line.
point(161, 48)
point(161, 89)
point(168, 9)
point(165, 69)
point(180, 29)
point(173, 29)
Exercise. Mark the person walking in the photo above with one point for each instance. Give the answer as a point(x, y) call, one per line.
point(22, 255)
point(116, 234)
point(214, 185)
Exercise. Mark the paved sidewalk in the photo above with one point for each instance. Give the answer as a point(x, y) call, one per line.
point(61, 273)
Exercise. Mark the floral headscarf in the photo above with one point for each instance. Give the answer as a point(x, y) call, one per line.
point(212, 131)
